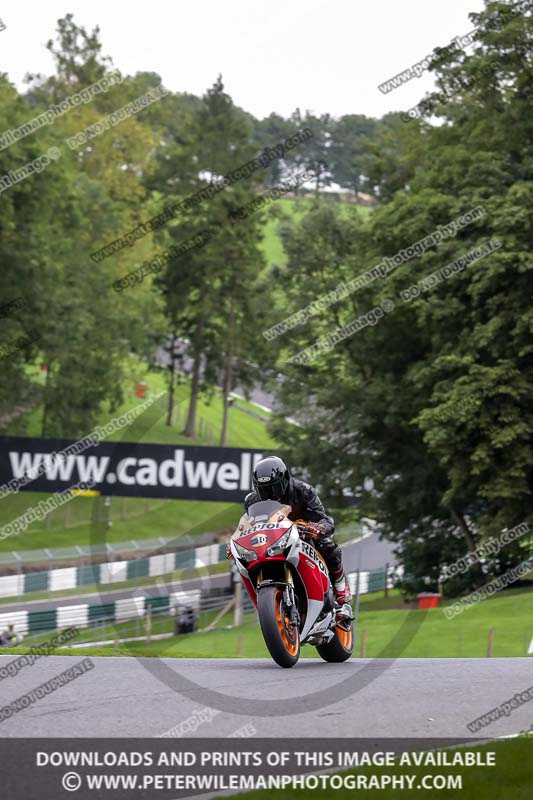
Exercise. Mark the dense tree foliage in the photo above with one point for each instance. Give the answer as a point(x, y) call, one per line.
point(427, 415)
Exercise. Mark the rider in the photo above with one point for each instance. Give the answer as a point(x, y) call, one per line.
point(272, 481)
point(8, 636)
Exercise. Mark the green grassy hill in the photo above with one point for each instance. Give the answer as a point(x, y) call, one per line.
point(244, 430)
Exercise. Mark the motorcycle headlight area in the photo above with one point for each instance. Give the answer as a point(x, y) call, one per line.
point(278, 547)
point(246, 555)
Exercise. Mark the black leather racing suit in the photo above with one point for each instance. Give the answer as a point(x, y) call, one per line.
point(306, 504)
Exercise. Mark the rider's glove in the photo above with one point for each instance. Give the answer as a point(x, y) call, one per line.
point(310, 529)
point(229, 554)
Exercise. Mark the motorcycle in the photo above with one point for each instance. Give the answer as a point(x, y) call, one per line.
point(289, 584)
point(13, 641)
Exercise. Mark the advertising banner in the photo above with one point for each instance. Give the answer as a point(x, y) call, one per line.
point(127, 469)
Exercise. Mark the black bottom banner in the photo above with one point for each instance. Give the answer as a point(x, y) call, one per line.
point(55, 769)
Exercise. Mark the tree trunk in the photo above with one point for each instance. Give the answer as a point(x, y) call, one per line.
point(170, 407)
point(171, 381)
point(190, 425)
point(228, 378)
point(45, 403)
point(467, 533)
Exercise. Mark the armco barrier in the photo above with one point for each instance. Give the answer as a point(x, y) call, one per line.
point(76, 552)
point(83, 615)
point(30, 623)
point(110, 572)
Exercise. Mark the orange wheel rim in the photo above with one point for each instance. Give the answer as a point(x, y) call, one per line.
point(288, 632)
point(345, 637)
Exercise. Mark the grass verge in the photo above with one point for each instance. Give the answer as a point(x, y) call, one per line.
point(393, 633)
point(510, 779)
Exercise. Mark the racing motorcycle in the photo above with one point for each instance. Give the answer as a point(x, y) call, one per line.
point(289, 584)
point(12, 641)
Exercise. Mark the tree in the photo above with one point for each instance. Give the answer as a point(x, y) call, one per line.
point(209, 293)
point(62, 214)
point(391, 158)
point(314, 154)
point(349, 143)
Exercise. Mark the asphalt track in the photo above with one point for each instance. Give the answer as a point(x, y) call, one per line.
point(368, 553)
point(378, 698)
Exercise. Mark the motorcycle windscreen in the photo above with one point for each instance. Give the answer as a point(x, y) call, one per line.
point(267, 511)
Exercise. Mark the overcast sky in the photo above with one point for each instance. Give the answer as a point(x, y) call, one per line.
point(321, 55)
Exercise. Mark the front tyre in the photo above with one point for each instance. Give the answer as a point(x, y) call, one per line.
point(281, 638)
point(340, 648)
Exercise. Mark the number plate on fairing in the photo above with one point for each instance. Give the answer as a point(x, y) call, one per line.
point(259, 539)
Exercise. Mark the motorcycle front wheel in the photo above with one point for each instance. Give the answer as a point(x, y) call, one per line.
point(281, 638)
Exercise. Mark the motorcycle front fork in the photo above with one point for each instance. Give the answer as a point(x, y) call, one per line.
point(289, 598)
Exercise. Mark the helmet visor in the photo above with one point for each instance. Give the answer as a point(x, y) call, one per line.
point(273, 490)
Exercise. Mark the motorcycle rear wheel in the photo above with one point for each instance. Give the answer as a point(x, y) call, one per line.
point(340, 648)
point(281, 638)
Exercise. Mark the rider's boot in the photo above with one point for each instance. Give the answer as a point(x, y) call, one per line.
point(341, 587)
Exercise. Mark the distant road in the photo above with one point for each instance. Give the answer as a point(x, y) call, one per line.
point(369, 553)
